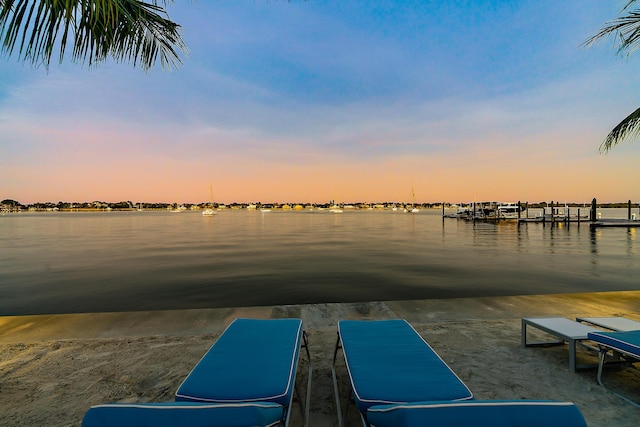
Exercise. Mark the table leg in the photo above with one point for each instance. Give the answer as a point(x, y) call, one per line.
point(572, 355)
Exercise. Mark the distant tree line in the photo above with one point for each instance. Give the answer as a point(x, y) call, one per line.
point(13, 205)
point(95, 205)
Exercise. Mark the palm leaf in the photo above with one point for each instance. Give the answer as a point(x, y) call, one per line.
point(626, 30)
point(629, 128)
point(126, 30)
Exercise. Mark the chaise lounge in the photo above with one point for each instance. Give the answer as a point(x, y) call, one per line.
point(247, 378)
point(479, 413)
point(186, 414)
point(397, 379)
point(625, 344)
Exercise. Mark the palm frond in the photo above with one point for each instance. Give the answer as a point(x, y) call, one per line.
point(625, 29)
point(629, 128)
point(126, 30)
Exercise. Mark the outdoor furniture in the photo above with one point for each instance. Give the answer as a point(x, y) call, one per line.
point(171, 414)
point(397, 379)
point(389, 362)
point(478, 413)
point(249, 374)
point(625, 344)
point(565, 330)
point(611, 323)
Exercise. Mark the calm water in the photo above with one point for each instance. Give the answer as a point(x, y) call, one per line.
point(121, 261)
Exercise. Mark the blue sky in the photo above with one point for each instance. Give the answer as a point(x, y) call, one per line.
point(317, 100)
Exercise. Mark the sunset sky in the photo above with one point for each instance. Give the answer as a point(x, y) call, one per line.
point(307, 101)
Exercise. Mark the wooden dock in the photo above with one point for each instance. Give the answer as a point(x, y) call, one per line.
point(551, 214)
point(555, 219)
point(597, 222)
point(615, 223)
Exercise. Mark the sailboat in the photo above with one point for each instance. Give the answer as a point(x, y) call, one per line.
point(210, 211)
point(413, 203)
point(335, 207)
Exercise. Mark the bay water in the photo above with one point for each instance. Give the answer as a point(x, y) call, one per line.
point(67, 262)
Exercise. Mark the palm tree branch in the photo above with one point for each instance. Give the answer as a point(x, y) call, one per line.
point(126, 30)
point(626, 32)
point(627, 128)
point(13, 30)
point(625, 29)
point(151, 39)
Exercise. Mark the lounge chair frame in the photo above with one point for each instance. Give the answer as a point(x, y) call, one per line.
point(305, 409)
point(341, 417)
point(618, 356)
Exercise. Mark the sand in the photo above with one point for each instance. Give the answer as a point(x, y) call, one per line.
point(53, 368)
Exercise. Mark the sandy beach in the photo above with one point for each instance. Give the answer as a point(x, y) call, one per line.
point(53, 368)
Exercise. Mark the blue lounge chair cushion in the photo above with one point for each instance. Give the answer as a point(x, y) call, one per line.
point(389, 362)
point(186, 414)
point(254, 360)
point(478, 413)
point(628, 341)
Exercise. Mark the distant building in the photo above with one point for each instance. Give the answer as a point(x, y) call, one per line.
point(10, 207)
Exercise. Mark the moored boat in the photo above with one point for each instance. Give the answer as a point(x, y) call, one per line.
point(210, 211)
point(509, 211)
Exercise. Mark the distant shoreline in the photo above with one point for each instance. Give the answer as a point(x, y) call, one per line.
point(12, 206)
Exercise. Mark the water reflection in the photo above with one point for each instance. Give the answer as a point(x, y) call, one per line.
point(631, 239)
point(115, 261)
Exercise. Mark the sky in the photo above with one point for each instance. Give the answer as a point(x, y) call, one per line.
point(309, 101)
